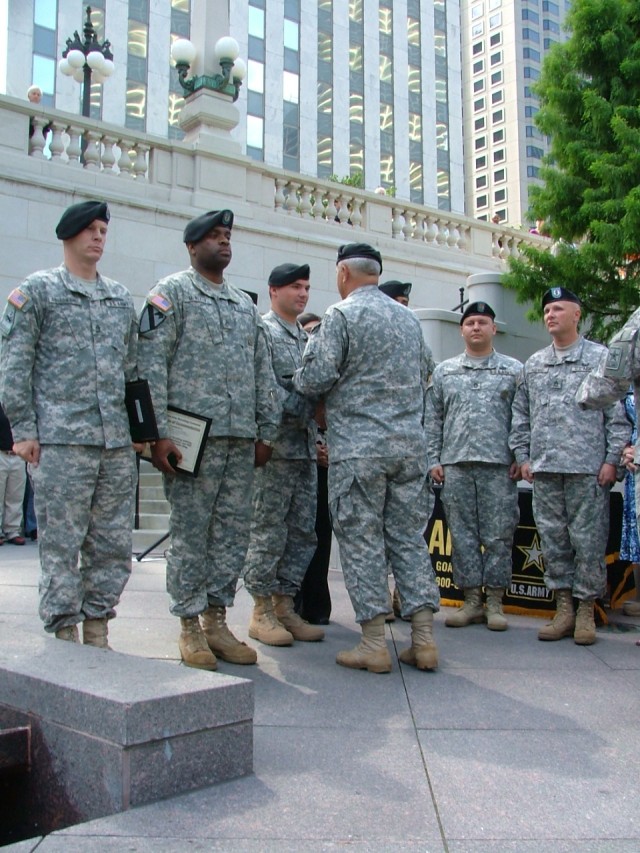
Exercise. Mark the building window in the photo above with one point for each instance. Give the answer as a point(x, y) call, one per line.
point(478, 104)
point(495, 20)
point(477, 48)
point(479, 123)
point(535, 152)
point(481, 162)
point(477, 29)
point(530, 35)
point(481, 182)
point(495, 40)
point(481, 201)
point(530, 15)
point(496, 57)
point(533, 172)
point(551, 26)
point(498, 136)
point(499, 196)
point(497, 116)
point(480, 143)
point(496, 78)
point(531, 73)
point(499, 175)
point(478, 86)
point(477, 11)
point(478, 66)
point(498, 156)
point(497, 97)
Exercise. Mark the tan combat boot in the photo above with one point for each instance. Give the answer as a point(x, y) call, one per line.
point(585, 633)
point(496, 620)
point(471, 611)
point(397, 605)
point(220, 639)
point(69, 633)
point(264, 625)
point(564, 622)
point(193, 645)
point(293, 622)
point(423, 652)
point(94, 633)
point(371, 653)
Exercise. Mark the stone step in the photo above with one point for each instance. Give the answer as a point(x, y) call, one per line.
point(148, 506)
point(152, 493)
point(152, 521)
point(143, 539)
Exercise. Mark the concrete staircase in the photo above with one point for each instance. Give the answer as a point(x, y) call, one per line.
point(153, 511)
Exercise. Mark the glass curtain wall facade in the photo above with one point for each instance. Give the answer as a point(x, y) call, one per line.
point(373, 79)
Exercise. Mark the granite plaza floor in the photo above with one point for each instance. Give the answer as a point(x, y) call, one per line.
point(513, 746)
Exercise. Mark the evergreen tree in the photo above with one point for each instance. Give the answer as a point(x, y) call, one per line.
point(589, 93)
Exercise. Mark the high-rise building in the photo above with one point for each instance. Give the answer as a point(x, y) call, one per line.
point(503, 45)
point(365, 89)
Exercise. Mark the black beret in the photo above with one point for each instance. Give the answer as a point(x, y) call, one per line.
point(201, 225)
point(475, 309)
point(359, 250)
point(559, 294)
point(287, 274)
point(396, 288)
point(77, 217)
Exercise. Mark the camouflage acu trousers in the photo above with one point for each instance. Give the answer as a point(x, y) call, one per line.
point(84, 503)
point(283, 535)
point(209, 525)
point(379, 514)
point(481, 504)
point(572, 516)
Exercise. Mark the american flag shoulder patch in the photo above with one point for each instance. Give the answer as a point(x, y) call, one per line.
point(18, 299)
point(160, 302)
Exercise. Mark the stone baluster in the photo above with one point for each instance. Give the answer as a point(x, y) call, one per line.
point(418, 231)
point(124, 161)
point(291, 200)
point(356, 212)
point(463, 237)
point(330, 210)
point(407, 228)
point(140, 167)
point(318, 207)
point(56, 146)
point(74, 148)
point(431, 231)
point(441, 234)
point(108, 154)
point(304, 207)
point(279, 198)
point(453, 236)
point(343, 213)
point(92, 151)
point(396, 223)
point(37, 141)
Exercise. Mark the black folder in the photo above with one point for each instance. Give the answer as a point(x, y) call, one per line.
point(142, 419)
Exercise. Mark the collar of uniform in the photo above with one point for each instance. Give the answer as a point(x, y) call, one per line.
point(223, 291)
point(487, 363)
point(294, 329)
point(72, 283)
point(552, 357)
point(366, 290)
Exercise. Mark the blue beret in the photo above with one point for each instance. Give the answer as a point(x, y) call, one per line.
point(359, 250)
point(287, 274)
point(396, 288)
point(201, 225)
point(559, 294)
point(77, 217)
point(478, 309)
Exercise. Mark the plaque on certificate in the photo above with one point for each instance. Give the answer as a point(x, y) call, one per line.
point(142, 419)
point(189, 433)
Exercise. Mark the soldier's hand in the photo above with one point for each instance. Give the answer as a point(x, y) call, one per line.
point(160, 452)
point(514, 471)
point(628, 455)
point(607, 475)
point(322, 455)
point(28, 450)
point(437, 474)
point(263, 454)
point(527, 473)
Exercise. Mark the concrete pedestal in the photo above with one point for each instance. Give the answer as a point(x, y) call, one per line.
point(111, 731)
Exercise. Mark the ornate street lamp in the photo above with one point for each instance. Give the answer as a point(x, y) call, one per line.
point(226, 49)
point(87, 61)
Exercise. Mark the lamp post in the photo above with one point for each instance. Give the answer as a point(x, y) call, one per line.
point(87, 60)
point(226, 50)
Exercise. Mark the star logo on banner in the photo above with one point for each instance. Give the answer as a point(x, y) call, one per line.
point(532, 554)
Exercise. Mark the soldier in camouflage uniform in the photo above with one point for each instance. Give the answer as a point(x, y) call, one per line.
point(468, 419)
point(283, 537)
point(571, 457)
point(370, 363)
point(202, 348)
point(68, 345)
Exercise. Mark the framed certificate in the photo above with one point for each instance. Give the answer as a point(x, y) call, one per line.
point(189, 432)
